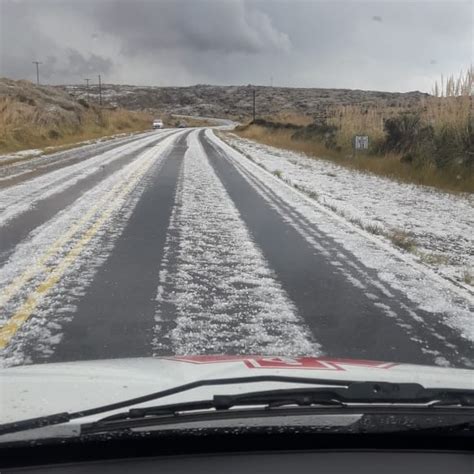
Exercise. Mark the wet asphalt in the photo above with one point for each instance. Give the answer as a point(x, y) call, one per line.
point(115, 317)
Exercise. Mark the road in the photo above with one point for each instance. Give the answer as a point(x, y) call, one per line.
point(167, 243)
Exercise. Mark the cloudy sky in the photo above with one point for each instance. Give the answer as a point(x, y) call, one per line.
point(385, 45)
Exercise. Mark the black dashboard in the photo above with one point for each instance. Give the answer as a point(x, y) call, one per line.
point(273, 463)
point(246, 452)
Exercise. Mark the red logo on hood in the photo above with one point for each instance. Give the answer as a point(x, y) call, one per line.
point(261, 362)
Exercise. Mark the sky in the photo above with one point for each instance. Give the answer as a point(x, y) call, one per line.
point(380, 45)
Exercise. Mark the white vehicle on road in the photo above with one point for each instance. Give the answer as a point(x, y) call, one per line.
point(158, 123)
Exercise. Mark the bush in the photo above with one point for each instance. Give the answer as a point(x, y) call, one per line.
point(84, 103)
point(320, 131)
point(54, 134)
point(403, 132)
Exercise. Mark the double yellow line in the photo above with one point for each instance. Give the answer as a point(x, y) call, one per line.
point(114, 198)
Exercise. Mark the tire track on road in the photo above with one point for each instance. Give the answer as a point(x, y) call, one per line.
point(20, 226)
point(217, 293)
point(44, 285)
point(115, 317)
point(387, 329)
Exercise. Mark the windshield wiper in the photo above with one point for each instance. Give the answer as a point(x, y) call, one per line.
point(355, 394)
point(339, 393)
point(59, 418)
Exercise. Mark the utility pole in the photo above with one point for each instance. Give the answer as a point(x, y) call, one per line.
point(87, 82)
point(253, 90)
point(100, 90)
point(37, 71)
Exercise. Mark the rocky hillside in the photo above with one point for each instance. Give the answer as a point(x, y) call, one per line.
point(236, 101)
point(34, 116)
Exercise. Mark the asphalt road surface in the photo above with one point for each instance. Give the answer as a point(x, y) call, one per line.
point(166, 243)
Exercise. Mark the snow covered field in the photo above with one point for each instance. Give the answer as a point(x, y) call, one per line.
point(441, 224)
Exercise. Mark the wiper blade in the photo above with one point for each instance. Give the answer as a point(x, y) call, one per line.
point(356, 394)
point(59, 418)
point(333, 392)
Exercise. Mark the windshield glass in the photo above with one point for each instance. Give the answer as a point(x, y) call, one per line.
point(205, 189)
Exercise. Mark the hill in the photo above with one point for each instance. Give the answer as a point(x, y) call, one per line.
point(237, 101)
point(34, 116)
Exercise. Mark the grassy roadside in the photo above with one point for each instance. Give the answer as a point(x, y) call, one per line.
point(22, 129)
point(388, 165)
point(430, 143)
point(39, 117)
point(396, 235)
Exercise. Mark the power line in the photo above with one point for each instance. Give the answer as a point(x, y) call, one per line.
point(37, 71)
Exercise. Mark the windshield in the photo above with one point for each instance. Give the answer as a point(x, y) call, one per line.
point(211, 189)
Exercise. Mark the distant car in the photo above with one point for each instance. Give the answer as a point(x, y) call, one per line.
point(157, 123)
point(182, 125)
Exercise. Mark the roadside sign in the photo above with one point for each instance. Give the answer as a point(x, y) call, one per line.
point(361, 142)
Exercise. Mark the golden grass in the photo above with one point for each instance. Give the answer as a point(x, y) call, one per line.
point(387, 166)
point(24, 126)
point(290, 117)
point(281, 138)
point(449, 112)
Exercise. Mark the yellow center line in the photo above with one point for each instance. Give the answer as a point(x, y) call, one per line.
point(9, 329)
point(10, 290)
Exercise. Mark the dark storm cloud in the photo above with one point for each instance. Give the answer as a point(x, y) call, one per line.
point(22, 40)
point(200, 26)
point(78, 64)
point(373, 45)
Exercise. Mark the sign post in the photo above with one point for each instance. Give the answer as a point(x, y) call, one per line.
point(359, 142)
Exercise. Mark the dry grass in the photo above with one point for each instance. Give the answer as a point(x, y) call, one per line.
point(388, 165)
point(290, 117)
point(468, 277)
point(175, 120)
point(281, 138)
point(434, 258)
point(278, 173)
point(355, 120)
point(402, 239)
point(438, 161)
point(28, 123)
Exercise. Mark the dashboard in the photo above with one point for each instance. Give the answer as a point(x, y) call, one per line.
point(276, 463)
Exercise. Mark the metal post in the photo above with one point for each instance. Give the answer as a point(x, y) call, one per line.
point(100, 90)
point(253, 105)
point(37, 72)
point(87, 82)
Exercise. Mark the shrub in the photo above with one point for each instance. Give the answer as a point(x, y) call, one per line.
point(402, 132)
point(403, 240)
point(84, 103)
point(320, 131)
point(278, 173)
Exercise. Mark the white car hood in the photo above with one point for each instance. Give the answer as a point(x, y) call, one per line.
point(37, 390)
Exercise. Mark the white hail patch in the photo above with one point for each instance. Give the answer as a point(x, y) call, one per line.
point(426, 289)
point(44, 329)
point(217, 293)
point(440, 223)
point(18, 199)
